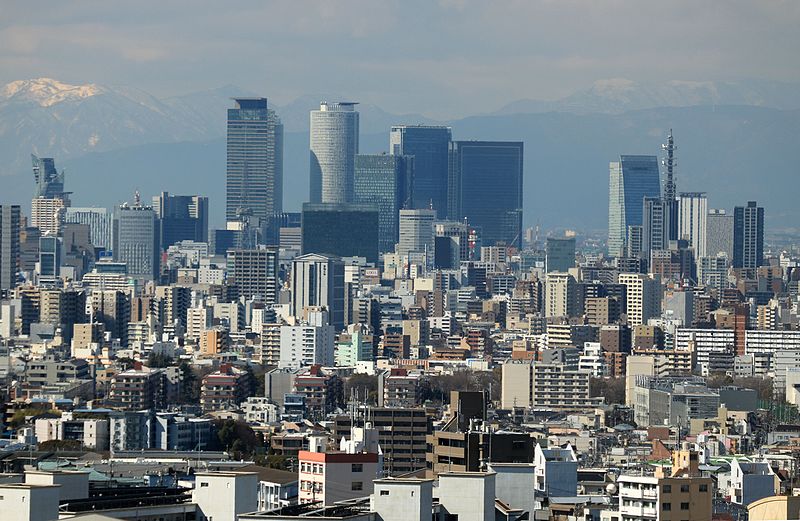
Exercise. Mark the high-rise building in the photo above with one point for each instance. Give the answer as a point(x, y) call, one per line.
point(99, 221)
point(48, 214)
point(693, 210)
point(452, 244)
point(429, 146)
point(344, 230)
point(255, 160)
point(654, 231)
point(416, 233)
point(255, 272)
point(9, 245)
point(670, 191)
point(632, 178)
point(485, 187)
point(719, 233)
point(334, 145)
point(181, 218)
point(49, 267)
point(49, 182)
point(385, 181)
point(561, 295)
point(559, 254)
point(748, 236)
point(136, 241)
point(318, 281)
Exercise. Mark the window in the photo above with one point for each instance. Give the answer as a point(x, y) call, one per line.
point(357, 485)
point(384, 492)
point(684, 488)
point(684, 506)
point(704, 488)
point(357, 467)
point(666, 489)
point(666, 507)
point(203, 484)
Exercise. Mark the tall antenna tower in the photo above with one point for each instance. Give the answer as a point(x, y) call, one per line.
point(670, 189)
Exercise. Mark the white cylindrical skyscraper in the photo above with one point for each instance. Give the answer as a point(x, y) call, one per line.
point(334, 145)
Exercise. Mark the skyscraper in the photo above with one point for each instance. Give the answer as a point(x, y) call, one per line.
point(653, 226)
point(417, 233)
point(385, 181)
point(136, 241)
point(632, 179)
point(344, 230)
point(255, 160)
point(670, 191)
point(693, 209)
point(318, 281)
point(429, 146)
point(181, 218)
point(485, 187)
point(559, 254)
point(748, 236)
point(334, 145)
point(49, 198)
point(719, 234)
point(9, 245)
point(99, 221)
point(49, 182)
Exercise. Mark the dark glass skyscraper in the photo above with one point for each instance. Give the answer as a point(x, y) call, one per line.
point(49, 182)
point(181, 218)
point(255, 160)
point(485, 187)
point(429, 146)
point(748, 236)
point(344, 230)
point(9, 245)
point(631, 180)
point(385, 181)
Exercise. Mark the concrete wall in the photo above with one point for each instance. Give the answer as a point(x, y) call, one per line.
point(468, 495)
point(403, 500)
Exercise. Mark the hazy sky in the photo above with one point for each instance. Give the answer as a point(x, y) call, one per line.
point(444, 59)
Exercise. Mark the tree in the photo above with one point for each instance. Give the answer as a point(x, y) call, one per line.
point(238, 438)
point(60, 445)
point(612, 389)
point(157, 360)
point(364, 385)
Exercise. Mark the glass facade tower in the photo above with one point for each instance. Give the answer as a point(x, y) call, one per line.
point(429, 146)
point(631, 179)
point(255, 160)
point(748, 236)
point(334, 146)
point(385, 181)
point(485, 187)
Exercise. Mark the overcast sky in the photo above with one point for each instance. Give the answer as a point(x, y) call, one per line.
point(444, 59)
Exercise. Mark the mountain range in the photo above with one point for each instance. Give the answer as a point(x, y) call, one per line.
point(736, 141)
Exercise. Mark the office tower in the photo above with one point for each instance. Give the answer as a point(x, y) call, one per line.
point(670, 191)
point(49, 198)
point(748, 236)
point(282, 229)
point(559, 254)
point(713, 271)
point(719, 233)
point(416, 233)
point(9, 245)
point(385, 181)
point(334, 145)
point(633, 242)
point(136, 241)
point(318, 281)
point(632, 178)
point(255, 272)
point(643, 297)
point(49, 260)
point(255, 160)
point(49, 182)
point(99, 221)
point(112, 309)
point(693, 211)
point(344, 230)
point(429, 146)
point(653, 226)
point(181, 218)
point(561, 295)
point(485, 187)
